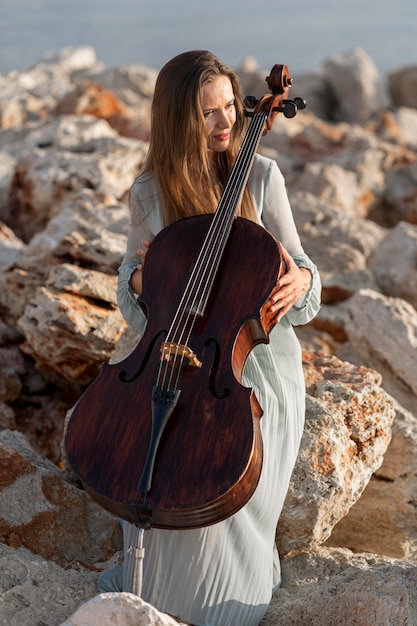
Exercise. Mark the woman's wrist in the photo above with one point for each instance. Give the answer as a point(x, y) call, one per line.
point(136, 281)
point(307, 278)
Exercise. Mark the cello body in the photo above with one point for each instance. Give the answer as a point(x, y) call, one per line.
point(169, 437)
point(208, 457)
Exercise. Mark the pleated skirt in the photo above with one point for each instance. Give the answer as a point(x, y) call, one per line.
point(225, 574)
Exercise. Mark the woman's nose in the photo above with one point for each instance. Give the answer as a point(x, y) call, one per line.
point(223, 120)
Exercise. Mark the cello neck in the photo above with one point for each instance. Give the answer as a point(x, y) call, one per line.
point(201, 281)
point(214, 244)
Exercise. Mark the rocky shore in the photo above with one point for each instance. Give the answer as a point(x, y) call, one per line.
point(73, 134)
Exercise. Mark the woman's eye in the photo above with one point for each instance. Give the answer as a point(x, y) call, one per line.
point(207, 113)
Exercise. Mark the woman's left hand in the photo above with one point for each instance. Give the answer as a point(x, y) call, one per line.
point(290, 286)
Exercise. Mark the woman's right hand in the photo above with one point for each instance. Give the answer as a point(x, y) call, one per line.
point(136, 278)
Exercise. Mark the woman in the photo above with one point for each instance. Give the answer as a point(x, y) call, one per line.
point(224, 574)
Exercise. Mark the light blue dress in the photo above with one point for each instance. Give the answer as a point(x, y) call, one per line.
point(225, 574)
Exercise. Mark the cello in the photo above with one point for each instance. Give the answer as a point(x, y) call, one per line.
point(169, 437)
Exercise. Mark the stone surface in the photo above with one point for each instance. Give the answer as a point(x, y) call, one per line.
point(324, 587)
point(349, 161)
point(347, 432)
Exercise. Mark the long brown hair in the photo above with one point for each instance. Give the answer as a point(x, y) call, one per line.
point(178, 154)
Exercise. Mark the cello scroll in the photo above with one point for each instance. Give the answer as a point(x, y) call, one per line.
point(279, 82)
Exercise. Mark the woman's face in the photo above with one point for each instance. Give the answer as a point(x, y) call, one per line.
point(218, 101)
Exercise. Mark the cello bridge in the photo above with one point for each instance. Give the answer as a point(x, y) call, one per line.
point(171, 350)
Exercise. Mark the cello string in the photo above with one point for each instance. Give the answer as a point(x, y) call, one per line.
point(226, 212)
point(198, 285)
point(233, 200)
point(219, 232)
point(206, 266)
point(230, 202)
point(207, 262)
point(203, 261)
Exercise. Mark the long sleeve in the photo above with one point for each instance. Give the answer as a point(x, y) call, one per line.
point(146, 222)
point(267, 186)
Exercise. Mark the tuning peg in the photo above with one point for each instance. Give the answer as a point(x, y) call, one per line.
point(288, 107)
point(251, 102)
point(300, 102)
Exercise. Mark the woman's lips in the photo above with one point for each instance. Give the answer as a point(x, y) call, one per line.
point(222, 137)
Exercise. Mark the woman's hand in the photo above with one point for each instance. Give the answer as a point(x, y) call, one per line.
point(136, 278)
point(293, 283)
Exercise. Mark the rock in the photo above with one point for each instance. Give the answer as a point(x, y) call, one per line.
point(11, 365)
point(328, 586)
point(383, 520)
point(128, 114)
point(385, 124)
point(384, 332)
point(316, 90)
point(7, 165)
point(90, 231)
point(69, 332)
point(331, 183)
point(72, 135)
point(70, 59)
point(394, 263)
point(79, 134)
point(403, 87)
point(73, 279)
point(47, 515)
point(331, 234)
point(11, 114)
point(356, 85)
point(7, 416)
point(35, 91)
point(401, 194)
point(90, 98)
point(18, 286)
point(120, 608)
point(406, 118)
point(43, 180)
point(37, 591)
point(332, 319)
point(342, 164)
point(347, 431)
point(11, 247)
point(129, 83)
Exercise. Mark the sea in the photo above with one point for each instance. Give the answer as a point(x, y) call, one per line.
point(302, 34)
